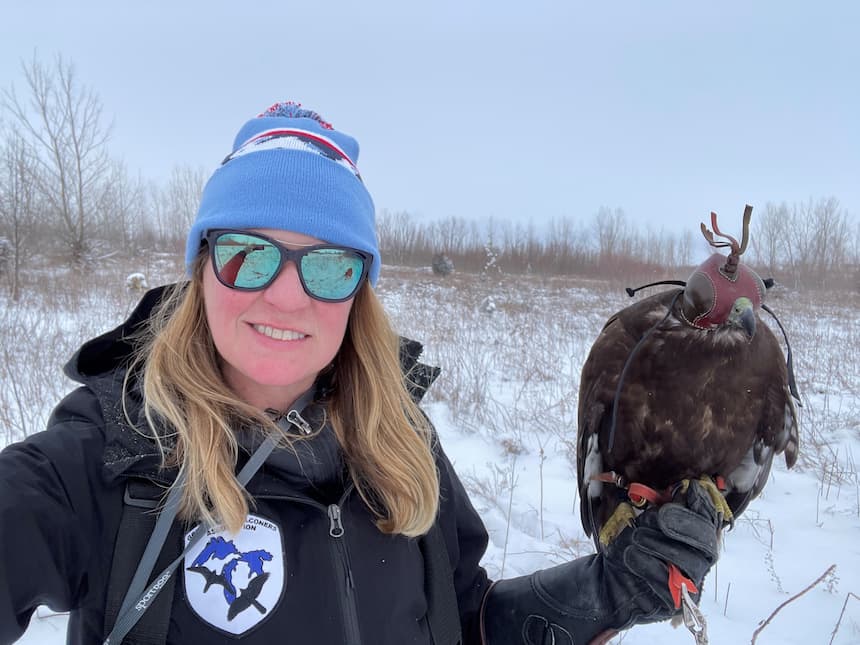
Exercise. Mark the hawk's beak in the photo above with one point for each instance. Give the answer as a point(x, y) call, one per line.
point(743, 316)
point(748, 321)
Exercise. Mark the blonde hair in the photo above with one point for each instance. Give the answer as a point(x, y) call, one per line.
point(385, 437)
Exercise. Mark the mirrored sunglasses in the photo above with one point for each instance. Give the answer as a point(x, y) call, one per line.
point(251, 261)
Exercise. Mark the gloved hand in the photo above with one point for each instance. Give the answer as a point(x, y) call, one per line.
point(627, 584)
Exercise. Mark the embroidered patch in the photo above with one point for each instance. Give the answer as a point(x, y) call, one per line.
point(234, 581)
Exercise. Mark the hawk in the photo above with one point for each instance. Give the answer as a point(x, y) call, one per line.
point(685, 384)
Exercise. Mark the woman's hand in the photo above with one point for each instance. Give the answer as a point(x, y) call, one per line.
point(635, 580)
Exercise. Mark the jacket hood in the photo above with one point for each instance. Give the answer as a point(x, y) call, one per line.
point(112, 350)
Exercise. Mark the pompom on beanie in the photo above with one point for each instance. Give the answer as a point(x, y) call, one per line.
point(291, 170)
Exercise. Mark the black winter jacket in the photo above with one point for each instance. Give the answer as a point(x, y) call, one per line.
point(61, 500)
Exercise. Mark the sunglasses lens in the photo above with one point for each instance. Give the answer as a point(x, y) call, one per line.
point(245, 261)
point(332, 274)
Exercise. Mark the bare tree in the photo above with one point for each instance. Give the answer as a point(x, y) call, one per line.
point(158, 209)
point(807, 244)
point(174, 206)
point(61, 124)
point(184, 189)
point(122, 209)
point(566, 246)
point(400, 236)
point(685, 249)
point(830, 248)
point(611, 233)
point(449, 235)
point(768, 239)
point(854, 247)
point(16, 204)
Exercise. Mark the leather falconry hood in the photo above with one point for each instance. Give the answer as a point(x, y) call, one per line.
point(715, 285)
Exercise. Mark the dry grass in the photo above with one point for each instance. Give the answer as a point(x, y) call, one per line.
point(512, 371)
point(60, 309)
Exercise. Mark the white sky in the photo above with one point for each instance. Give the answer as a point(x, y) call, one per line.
point(522, 111)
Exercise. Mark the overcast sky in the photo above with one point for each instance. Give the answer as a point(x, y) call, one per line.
point(524, 111)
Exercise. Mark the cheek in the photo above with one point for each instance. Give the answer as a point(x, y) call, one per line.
point(211, 296)
point(333, 318)
point(222, 305)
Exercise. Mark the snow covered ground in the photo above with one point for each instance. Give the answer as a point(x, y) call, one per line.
point(505, 408)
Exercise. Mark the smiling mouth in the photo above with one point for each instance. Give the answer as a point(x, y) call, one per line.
point(278, 334)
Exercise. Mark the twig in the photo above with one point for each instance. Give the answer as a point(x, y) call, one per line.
point(841, 614)
point(540, 474)
point(510, 511)
point(764, 624)
point(21, 408)
point(818, 505)
point(716, 580)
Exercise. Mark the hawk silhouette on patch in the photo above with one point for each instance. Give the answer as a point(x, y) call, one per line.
point(219, 550)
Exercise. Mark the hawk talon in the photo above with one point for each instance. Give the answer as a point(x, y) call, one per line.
point(625, 513)
point(620, 519)
point(717, 498)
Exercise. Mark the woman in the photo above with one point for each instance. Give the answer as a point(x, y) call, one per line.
point(345, 523)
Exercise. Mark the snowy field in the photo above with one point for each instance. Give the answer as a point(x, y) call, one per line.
point(505, 406)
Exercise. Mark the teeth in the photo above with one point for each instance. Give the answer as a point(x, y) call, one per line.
point(278, 334)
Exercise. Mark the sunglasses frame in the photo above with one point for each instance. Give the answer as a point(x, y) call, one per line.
point(287, 255)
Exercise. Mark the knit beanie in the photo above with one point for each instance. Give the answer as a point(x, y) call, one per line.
point(290, 170)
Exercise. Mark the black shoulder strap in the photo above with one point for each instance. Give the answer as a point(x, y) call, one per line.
point(443, 614)
point(138, 521)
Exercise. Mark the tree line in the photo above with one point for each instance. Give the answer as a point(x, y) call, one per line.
point(65, 198)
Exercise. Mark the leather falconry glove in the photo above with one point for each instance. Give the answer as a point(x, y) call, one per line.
point(591, 598)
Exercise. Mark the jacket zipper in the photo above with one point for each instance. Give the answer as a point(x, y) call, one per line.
point(350, 611)
point(340, 560)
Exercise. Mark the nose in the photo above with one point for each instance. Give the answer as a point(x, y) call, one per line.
point(286, 292)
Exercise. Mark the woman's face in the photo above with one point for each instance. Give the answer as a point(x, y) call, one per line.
point(273, 342)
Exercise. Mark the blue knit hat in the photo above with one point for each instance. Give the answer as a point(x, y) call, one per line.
point(290, 170)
